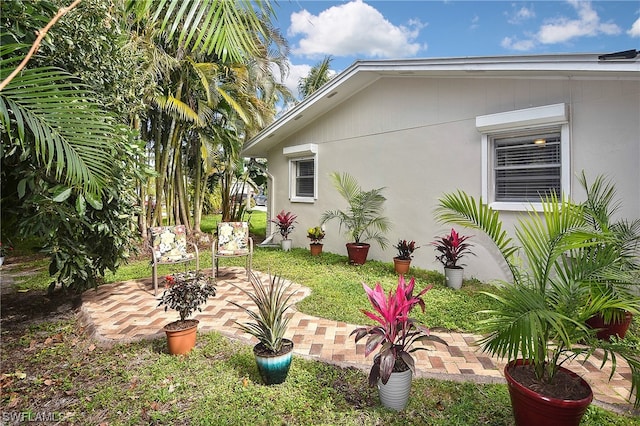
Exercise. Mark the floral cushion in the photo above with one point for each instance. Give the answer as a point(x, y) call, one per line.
point(233, 238)
point(170, 244)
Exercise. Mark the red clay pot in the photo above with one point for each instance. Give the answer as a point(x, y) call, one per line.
point(533, 409)
point(316, 249)
point(606, 330)
point(180, 342)
point(357, 253)
point(401, 265)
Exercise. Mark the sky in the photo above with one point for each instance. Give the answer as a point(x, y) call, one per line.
point(386, 29)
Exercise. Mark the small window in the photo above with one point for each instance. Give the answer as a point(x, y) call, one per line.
point(304, 177)
point(527, 167)
point(303, 172)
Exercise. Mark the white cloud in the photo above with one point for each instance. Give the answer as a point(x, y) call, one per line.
point(519, 15)
point(519, 45)
point(634, 31)
point(588, 24)
point(563, 29)
point(353, 29)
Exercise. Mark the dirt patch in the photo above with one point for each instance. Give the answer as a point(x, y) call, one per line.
point(564, 385)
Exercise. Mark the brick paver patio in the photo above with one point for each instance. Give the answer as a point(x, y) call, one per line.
point(127, 311)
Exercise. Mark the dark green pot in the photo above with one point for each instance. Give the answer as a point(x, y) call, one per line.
point(274, 368)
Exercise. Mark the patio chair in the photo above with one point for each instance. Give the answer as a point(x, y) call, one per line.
point(169, 246)
point(233, 240)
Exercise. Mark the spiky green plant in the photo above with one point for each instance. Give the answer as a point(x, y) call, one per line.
point(272, 301)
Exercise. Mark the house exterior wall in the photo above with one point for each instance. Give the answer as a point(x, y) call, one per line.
point(417, 137)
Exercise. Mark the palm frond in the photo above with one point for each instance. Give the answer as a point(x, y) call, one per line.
point(462, 209)
point(229, 29)
point(71, 133)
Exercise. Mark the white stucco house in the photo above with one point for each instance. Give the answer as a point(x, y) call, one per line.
point(500, 128)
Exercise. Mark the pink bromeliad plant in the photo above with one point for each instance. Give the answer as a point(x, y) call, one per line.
point(395, 332)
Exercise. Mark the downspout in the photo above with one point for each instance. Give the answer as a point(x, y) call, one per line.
point(270, 205)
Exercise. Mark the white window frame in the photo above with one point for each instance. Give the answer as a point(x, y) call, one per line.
point(301, 153)
point(525, 121)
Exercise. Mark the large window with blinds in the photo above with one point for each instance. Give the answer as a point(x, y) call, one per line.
point(525, 156)
point(527, 167)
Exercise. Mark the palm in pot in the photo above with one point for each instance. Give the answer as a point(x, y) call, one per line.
point(362, 219)
point(539, 321)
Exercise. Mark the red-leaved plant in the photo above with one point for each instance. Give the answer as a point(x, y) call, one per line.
point(452, 247)
point(395, 332)
point(284, 222)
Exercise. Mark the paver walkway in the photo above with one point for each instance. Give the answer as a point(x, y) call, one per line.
point(127, 311)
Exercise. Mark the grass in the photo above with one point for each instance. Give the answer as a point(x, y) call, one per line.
point(138, 383)
point(53, 364)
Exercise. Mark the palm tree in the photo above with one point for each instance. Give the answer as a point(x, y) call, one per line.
point(317, 77)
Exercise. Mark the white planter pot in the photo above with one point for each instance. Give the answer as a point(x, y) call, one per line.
point(286, 245)
point(1, 260)
point(395, 394)
point(453, 277)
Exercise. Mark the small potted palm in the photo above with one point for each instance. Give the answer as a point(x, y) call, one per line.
point(622, 254)
point(316, 235)
point(363, 219)
point(273, 352)
point(402, 262)
point(186, 293)
point(395, 334)
point(452, 248)
point(285, 224)
point(538, 321)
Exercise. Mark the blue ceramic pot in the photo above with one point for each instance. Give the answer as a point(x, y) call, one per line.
point(273, 368)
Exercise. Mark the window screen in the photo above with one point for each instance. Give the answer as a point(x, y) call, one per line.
point(305, 178)
point(528, 167)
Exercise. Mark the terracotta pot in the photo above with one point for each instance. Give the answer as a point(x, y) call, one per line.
point(533, 409)
point(401, 265)
point(395, 394)
point(316, 249)
point(453, 277)
point(274, 368)
point(606, 330)
point(357, 253)
point(181, 341)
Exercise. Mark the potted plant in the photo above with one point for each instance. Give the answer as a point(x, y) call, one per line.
point(620, 254)
point(539, 319)
point(273, 352)
point(452, 248)
point(184, 292)
point(362, 220)
point(402, 262)
point(315, 234)
point(285, 223)
point(395, 334)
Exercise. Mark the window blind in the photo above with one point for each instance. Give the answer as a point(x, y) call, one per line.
point(525, 170)
point(304, 178)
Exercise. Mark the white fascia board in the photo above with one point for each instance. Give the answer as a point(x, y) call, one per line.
point(522, 118)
